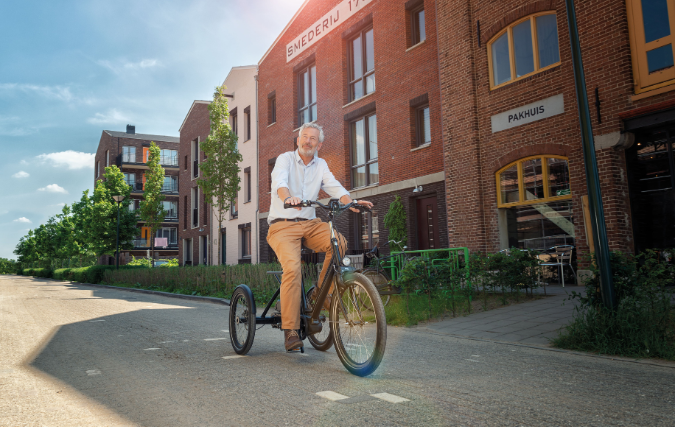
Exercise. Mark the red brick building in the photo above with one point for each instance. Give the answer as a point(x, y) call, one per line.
point(368, 73)
point(512, 146)
point(195, 245)
point(129, 151)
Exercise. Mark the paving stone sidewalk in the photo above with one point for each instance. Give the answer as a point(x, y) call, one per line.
point(533, 322)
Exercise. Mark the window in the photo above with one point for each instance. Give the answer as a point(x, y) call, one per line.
point(194, 193)
point(170, 184)
point(650, 27)
point(128, 154)
point(363, 134)
point(186, 162)
point(247, 183)
point(206, 212)
point(272, 108)
point(186, 213)
point(422, 126)
point(417, 21)
point(168, 157)
point(171, 208)
point(246, 241)
point(98, 169)
point(369, 230)
point(107, 158)
point(523, 48)
point(535, 198)
point(234, 208)
point(247, 123)
point(233, 121)
point(168, 233)
point(307, 95)
point(194, 149)
point(362, 66)
point(133, 205)
point(130, 179)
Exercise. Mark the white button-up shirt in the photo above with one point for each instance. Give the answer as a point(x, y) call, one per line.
point(303, 181)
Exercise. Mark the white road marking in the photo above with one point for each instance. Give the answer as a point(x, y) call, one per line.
point(215, 339)
point(164, 342)
point(234, 357)
point(186, 340)
point(225, 330)
point(93, 372)
point(475, 355)
point(331, 395)
point(97, 320)
point(472, 360)
point(390, 397)
point(153, 348)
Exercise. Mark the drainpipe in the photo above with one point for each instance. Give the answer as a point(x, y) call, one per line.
point(257, 180)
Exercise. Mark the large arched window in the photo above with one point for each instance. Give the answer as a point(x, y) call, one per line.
point(534, 196)
point(525, 47)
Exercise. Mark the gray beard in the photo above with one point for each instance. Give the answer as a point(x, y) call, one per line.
point(307, 153)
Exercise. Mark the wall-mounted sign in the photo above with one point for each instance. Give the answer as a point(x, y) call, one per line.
point(323, 26)
point(529, 113)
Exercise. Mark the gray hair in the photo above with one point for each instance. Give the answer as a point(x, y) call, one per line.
point(314, 126)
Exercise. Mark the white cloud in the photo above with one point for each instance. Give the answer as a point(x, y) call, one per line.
point(61, 93)
point(53, 188)
point(117, 66)
point(21, 174)
point(69, 158)
point(111, 117)
point(23, 219)
point(11, 126)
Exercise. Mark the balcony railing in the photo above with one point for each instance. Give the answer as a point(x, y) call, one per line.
point(170, 187)
point(135, 186)
point(168, 160)
point(145, 244)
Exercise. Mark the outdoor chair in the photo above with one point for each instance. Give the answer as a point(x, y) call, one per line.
point(561, 258)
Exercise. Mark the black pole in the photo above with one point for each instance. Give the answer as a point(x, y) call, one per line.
point(117, 263)
point(590, 163)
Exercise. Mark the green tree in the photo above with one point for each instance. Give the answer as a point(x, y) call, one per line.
point(102, 226)
point(220, 170)
point(26, 250)
point(396, 222)
point(152, 206)
point(82, 212)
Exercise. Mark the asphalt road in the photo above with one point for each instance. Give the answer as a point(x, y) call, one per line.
point(77, 355)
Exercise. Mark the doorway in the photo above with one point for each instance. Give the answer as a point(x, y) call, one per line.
point(427, 223)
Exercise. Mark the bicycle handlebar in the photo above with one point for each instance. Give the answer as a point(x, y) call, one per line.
point(341, 207)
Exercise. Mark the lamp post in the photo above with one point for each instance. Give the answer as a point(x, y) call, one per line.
point(590, 163)
point(118, 199)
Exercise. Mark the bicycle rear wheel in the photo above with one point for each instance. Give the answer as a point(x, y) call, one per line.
point(323, 340)
point(242, 319)
point(380, 280)
point(358, 325)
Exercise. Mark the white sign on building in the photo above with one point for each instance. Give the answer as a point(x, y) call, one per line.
point(323, 26)
point(529, 113)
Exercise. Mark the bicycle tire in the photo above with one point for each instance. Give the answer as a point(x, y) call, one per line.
point(324, 339)
point(379, 278)
point(242, 319)
point(367, 327)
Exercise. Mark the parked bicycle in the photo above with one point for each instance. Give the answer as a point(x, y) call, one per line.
point(380, 274)
point(356, 320)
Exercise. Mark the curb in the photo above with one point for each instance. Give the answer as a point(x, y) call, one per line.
point(212, 300)
point(661, 364)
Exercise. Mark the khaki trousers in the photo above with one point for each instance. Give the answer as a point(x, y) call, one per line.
point(285, 238)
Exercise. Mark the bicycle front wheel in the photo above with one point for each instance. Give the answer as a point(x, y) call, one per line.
point(358, 325)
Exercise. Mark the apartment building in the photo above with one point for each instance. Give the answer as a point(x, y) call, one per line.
point(195, 243)
point(512, 143)
point(368, 73)
point(129, 151)
point(239, 231)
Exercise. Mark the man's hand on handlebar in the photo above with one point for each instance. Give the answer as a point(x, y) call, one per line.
point(293, 201)
point(363, 203)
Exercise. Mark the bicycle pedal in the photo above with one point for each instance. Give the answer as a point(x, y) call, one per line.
point(296, 350)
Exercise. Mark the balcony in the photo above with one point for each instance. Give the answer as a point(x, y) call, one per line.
point(171, 216)
point(170, 161)
point(136, 187)
point(129, 161)
point(145, 244)
point(170, 187)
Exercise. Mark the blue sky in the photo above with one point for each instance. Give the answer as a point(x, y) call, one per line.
point(70, 69)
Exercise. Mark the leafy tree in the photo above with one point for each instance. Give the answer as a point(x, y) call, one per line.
point(102, 227)
point(220, 170)
point(26, 249)
point(82, 212)
point(7, 266)
point(396, 222)
point(152, 208)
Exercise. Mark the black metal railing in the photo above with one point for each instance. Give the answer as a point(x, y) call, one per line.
point(195, 169)
point(136, 187)
point(170, 187)
point(145, 244)
point(168, 160)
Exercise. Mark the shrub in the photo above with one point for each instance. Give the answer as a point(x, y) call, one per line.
point(63, 274)
point(171, 263)
point(643, 321)
point(38, 272)
point(139, 262)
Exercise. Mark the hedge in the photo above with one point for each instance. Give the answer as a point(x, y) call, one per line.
point(92, 274)
point(38, 272)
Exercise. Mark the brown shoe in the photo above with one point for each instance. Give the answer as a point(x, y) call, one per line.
point(292, 340)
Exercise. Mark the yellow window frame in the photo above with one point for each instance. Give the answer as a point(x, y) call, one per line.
point(642, 80)
point(521, 184)
point(535, 46)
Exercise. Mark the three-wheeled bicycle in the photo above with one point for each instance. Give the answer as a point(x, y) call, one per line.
point(355, 322)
